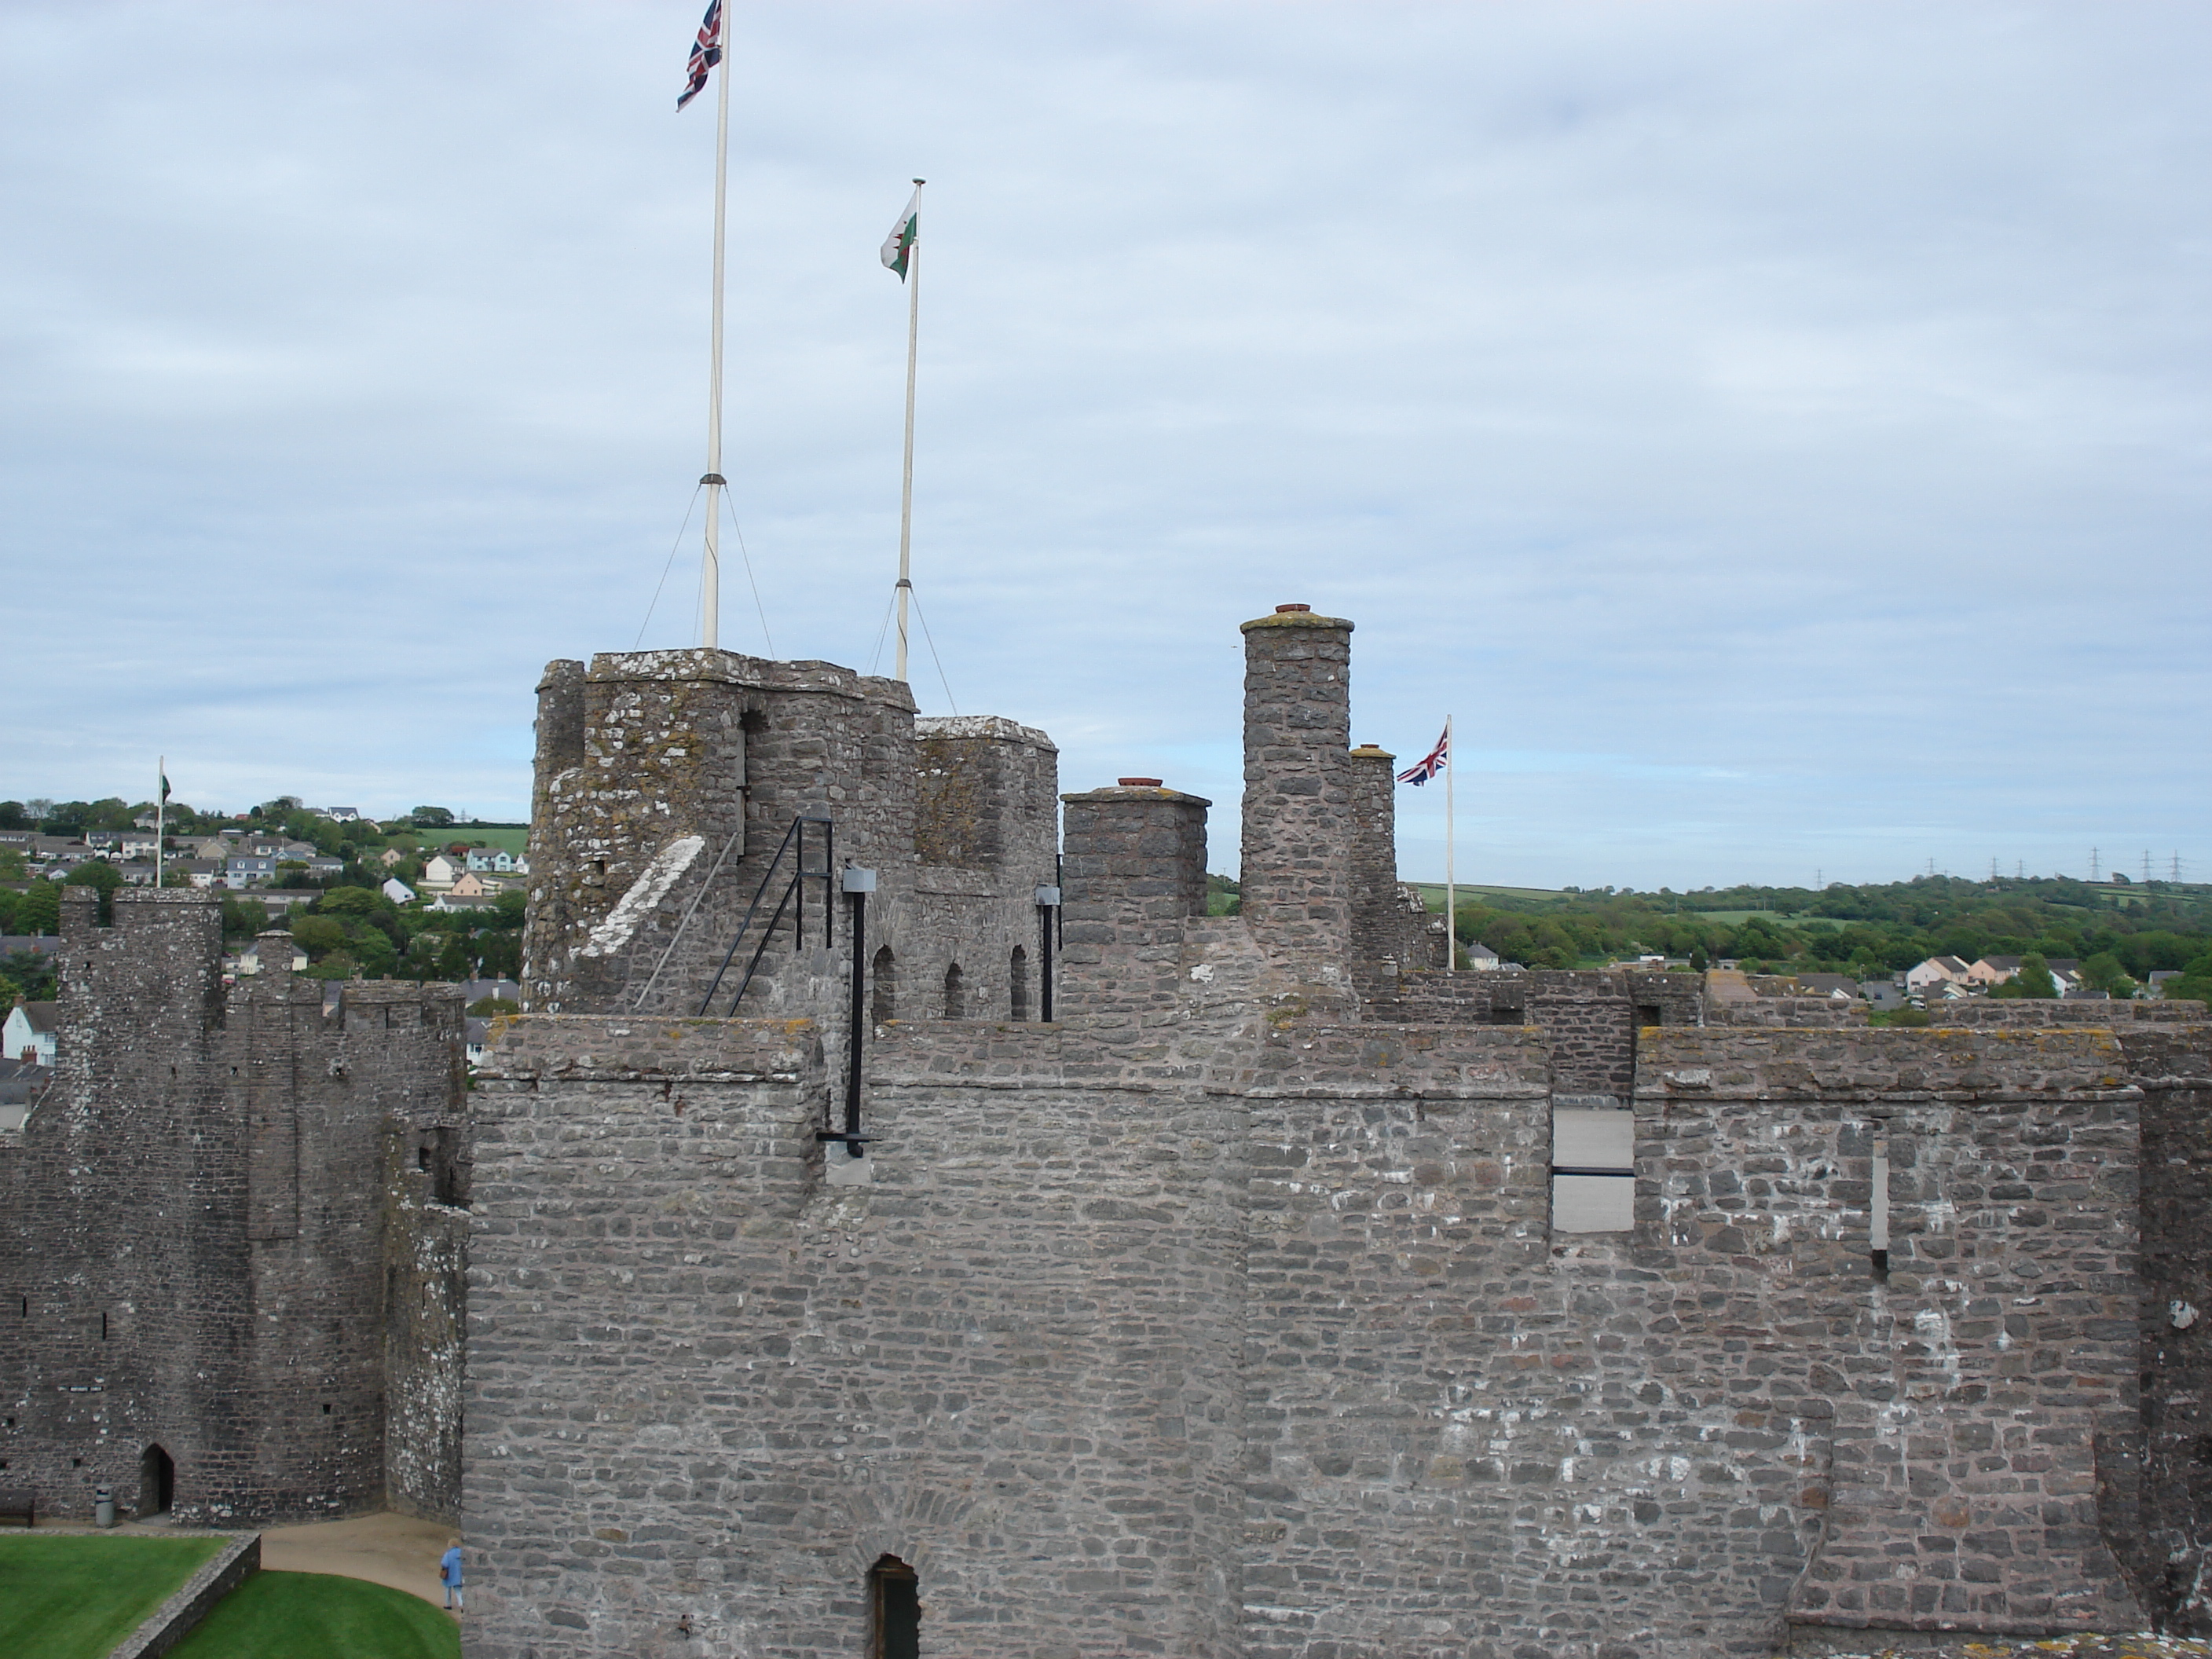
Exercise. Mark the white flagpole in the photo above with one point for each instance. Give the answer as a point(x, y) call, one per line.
point(906, 485)
point(1451, 879)
point(161, 811)
point(710, 582)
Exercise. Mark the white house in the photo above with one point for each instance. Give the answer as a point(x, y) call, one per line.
point(1936, 970)
point(399, 891)
point(439, 873)
point(249, 959)
point(29, 1033)
point(491, 858)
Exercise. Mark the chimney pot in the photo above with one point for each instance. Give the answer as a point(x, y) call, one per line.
point(1281, 608)
point(1137, 783)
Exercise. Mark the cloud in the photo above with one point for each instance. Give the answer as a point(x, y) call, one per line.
point(1781, 428)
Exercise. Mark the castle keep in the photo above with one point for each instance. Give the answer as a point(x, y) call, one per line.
point(233, 1235)
point(1280, 1297)
point(904, 1224)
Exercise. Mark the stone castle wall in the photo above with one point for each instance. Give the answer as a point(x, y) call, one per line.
point(195, 1237)
point(645, 870)
point(1230, 1313)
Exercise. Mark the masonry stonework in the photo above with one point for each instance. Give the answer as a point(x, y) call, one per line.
point(197, 1253)
point(1224, 1314)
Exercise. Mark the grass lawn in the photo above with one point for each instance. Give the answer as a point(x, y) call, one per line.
point(313, 1615)
point(74, 1597)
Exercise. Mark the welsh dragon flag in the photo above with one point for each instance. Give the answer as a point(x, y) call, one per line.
point(899, 245)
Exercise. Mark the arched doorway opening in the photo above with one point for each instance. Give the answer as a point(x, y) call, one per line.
point(157, 1482)
point(882, 988)
point(956, 993)
point(895, 1610)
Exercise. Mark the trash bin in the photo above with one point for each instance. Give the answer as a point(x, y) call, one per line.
point(103, 1506)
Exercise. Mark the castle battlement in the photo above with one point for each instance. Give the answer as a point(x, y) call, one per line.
point(1284, 1296)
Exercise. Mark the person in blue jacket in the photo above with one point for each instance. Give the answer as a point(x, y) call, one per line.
point(449, 1572)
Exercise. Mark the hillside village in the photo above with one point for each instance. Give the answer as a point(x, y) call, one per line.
point(423, 898)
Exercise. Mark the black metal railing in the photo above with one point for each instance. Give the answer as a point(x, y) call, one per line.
point(794, 846)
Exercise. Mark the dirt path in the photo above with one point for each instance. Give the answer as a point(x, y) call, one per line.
point(397, 1550)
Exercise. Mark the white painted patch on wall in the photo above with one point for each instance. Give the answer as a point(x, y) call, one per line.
point(648, 891)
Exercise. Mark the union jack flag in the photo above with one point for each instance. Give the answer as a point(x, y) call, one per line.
point(1432, 763)
point(706, 52)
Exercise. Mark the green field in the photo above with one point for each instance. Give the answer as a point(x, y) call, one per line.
point(311, 1615)
point(514, 839)
point(69, 1596)
point(1432, 893)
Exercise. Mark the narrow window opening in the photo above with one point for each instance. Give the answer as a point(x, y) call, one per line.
point(1878, 1227)
point(1018, 983)
point(1649, 1014)
point(956, 993)
point(439, 1153)
point(883, 988)
point(895, 1607)
point(103, 1325)
point(326, 1408)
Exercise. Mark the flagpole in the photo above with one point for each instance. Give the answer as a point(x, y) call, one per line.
point(906, 483)
point(161, 811)
point(1451, 880)
point(710, 584)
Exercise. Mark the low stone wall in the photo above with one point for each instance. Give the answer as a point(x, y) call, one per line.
point(178, 1616)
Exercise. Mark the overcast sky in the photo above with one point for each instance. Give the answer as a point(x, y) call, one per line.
point(1776, 433)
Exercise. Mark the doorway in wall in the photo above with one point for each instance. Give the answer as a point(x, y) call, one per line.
point(157, 1482)
point(895, 1606)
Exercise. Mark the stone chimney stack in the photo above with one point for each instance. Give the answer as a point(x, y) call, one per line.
point(1379, 920)
point(1134, 870)
point(1296, 877)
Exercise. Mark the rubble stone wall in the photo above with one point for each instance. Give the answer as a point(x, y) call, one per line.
point(194, 1231)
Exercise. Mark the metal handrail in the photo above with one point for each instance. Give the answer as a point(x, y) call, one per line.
point(800, 875)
